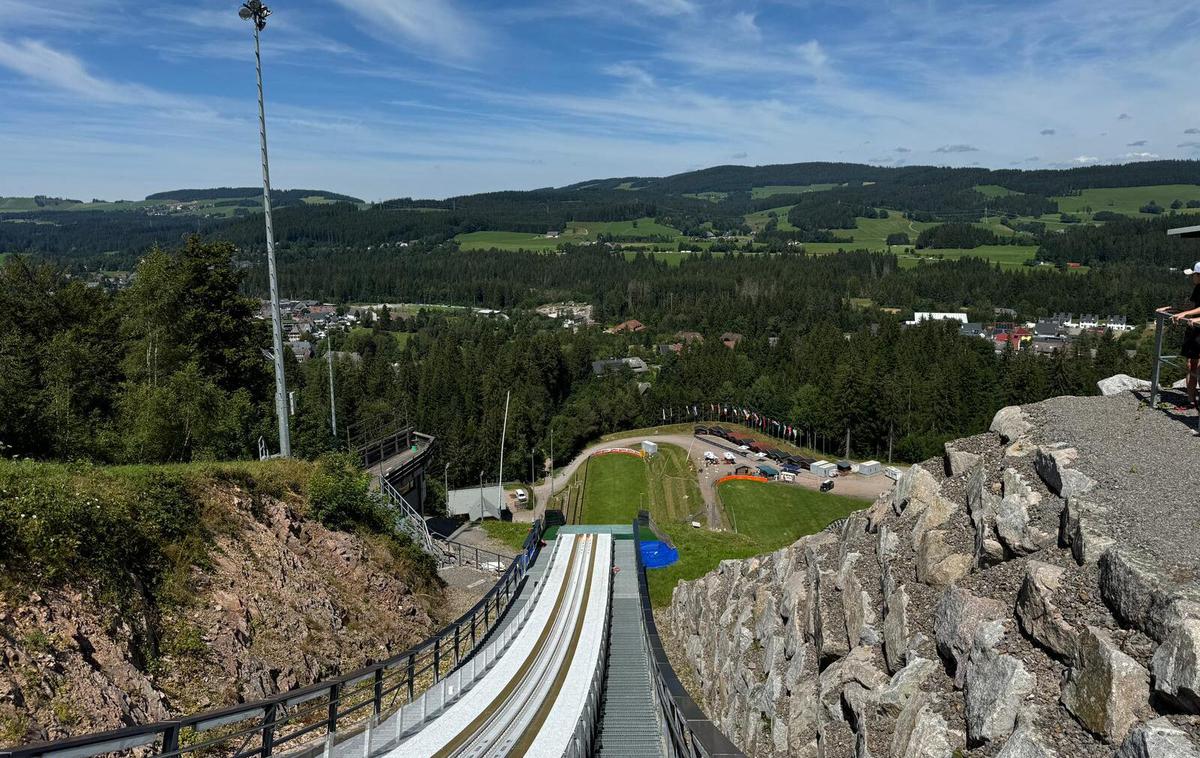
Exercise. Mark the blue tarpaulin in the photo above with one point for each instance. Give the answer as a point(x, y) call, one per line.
point(656, 554)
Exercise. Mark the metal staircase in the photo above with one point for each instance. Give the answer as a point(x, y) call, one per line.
point(630, 720)
point(411, 523)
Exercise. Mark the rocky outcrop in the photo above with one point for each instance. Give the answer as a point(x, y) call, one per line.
point(991, 606)
point(282, 602)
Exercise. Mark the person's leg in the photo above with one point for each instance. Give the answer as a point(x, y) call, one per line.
point(1193, 369)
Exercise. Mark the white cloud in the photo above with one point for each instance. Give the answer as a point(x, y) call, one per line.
point(438, 28)
point(1141, 156)
point(1083, 160)
point(64, 72)
point(667, 7)
point(630, 72)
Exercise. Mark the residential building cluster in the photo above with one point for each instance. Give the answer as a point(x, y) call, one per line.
point(1044, 336)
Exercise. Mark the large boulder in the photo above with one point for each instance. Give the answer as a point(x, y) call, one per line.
point(1010, 423)
point(1157, 739)
point(995, 687)
point(958, 616)
point(922, 732)
point(1136, 590)
point(1025, 742)
point(1115, 385)
point(939, 564)
point(915, 486)
point(895, 629)
point(1053, 464)
point(1082, 529)
point(1106, 690)
point(959, 462)
point(1039, 617)
point(1176, 666)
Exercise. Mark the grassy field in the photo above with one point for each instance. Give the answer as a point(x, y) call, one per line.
point(995, 190)
point(578, 232)
point(788, 189)
point(773, 513)
point(510, 241)
point(616, 489)
point(620, 485)
point(759, 219)
point(1008, 256)
point(1127, 200)
point(511, 533)
point(671, 257)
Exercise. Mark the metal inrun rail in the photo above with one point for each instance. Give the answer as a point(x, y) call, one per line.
point(690, 733)
point(293, 721)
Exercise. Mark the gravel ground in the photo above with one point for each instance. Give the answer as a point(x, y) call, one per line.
point(1147, 464)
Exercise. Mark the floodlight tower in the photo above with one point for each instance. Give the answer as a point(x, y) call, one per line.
point(256, 12)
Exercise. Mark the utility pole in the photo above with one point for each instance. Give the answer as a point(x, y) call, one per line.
point(332, 405)
point(503, 433)
point(255, 11)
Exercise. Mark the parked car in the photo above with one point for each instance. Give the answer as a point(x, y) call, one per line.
point(730, 457)
point(522, 496)
point(701, 430)
point(827, 485)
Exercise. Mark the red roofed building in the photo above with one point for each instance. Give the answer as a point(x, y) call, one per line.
point(628, 327)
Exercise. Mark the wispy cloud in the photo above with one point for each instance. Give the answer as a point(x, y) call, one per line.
point(62, 71)
point(957, 149)
point(1083, 160)
point(1124, 117)
point(1136, 143)
point(438, 28)
point(1142, 156)
point(1192, 130)
point(1048, 132)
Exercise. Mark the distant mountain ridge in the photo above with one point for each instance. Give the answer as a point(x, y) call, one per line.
point(229, 193)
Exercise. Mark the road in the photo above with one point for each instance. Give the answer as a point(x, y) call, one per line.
point(866, 487)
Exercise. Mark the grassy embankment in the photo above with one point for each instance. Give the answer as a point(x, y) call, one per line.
point(620, 485)
point(135, 533)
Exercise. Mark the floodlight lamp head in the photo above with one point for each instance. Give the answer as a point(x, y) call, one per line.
point(254, 10)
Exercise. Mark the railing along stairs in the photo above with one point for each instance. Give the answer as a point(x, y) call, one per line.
point(411, 523)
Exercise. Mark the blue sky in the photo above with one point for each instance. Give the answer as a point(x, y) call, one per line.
point(430, 98)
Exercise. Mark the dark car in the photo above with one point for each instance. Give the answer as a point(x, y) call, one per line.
point(827, 485)
point(702, 430)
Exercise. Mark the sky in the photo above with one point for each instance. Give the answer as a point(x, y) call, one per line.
point(432, 98)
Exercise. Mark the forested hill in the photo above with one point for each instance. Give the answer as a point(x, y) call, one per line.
point(1046, 182)
point(277, 195)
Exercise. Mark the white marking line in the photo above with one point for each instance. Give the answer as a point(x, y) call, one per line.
point(556, 733)
point(438, 732)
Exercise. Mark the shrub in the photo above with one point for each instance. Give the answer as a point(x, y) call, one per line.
point(340, 496)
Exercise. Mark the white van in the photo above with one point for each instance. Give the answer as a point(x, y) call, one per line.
point(730, 458)
point(522, 496)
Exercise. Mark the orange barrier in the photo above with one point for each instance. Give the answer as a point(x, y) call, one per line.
point(742, 478)
point(621, 450)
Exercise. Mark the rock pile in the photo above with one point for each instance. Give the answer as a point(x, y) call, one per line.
point(985, 607)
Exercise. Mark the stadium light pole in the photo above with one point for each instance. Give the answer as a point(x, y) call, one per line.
point(254, 11)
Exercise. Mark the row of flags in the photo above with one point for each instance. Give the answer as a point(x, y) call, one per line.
point(727, 412)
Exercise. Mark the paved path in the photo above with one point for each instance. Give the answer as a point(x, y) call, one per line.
point(866, 487)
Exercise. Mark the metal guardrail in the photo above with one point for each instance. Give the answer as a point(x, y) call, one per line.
point(292, 721)
point(410, 522)
point(1160, 330)
point(690, 734)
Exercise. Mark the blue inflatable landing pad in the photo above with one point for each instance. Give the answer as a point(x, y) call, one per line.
point(657, 554)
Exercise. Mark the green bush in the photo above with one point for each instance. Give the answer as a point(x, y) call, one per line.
point(340, 496)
